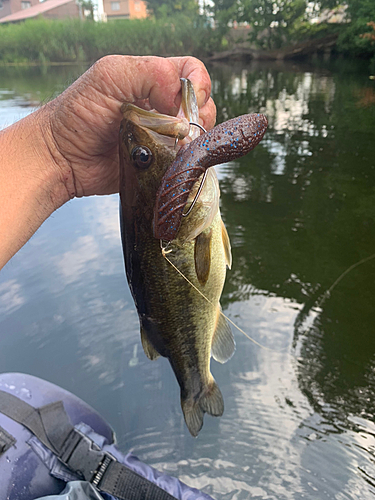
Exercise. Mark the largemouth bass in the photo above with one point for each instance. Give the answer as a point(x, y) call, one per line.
point(180, 314)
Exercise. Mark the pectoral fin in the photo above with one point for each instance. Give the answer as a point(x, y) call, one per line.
point(223, 344)
point(202, 255)
point(226, 244)
point(149, 349)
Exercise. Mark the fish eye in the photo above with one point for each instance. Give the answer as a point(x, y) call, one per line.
point(142, 157)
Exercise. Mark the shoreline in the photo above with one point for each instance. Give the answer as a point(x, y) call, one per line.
point(323, 45)
point(301, 51)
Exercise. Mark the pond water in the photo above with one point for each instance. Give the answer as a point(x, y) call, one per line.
point(300, 212)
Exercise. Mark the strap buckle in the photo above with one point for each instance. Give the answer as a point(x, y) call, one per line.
point(80, 454)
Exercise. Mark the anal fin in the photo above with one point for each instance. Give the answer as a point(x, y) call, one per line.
point(149, 349)
point(223, 344)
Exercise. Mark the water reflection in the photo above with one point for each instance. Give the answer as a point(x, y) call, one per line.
point(22, 89)
point(306, 217)
point(300, 212)
point(11, 297)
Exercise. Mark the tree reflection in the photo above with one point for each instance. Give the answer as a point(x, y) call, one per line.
point(34, 83)
point(300, 210)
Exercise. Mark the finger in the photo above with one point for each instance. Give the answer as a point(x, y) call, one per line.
point(144, 104)
point(207, 114)
point(131, 79)
point(196, 72)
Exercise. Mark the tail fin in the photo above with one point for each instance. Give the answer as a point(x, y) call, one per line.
point(210, 401)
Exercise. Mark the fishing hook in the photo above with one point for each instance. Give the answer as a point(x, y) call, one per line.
point(199, 126)
point(203, 179)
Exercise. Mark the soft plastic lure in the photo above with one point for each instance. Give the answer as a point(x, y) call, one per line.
point(225, 142)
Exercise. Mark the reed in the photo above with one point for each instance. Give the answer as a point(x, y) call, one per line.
point(43, 41)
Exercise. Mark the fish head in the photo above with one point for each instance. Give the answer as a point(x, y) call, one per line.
point(149, 142)
point(147, 148)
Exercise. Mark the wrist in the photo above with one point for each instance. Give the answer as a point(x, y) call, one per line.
point(35, 161)
point(56, 174)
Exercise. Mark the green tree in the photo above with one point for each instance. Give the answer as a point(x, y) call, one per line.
point(165, 8)
point(226, 11)
point(88, 8)
point(356, 39)
point(271, 21)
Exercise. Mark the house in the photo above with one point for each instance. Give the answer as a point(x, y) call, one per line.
point(20, 10)
point(8, 7)
point(124, 9)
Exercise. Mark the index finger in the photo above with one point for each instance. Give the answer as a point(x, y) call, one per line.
point(196, 72)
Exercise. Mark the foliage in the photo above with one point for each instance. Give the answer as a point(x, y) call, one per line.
point(88, 8)
point(352, 41)
point(276, 23)
point(306, 31)
point(358, 39)
point(273, 21)
point(166, 8)
point(370, 36)
point(361, 9)
point(225, 12)
point(41, 40)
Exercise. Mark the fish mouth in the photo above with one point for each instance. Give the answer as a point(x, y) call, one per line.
point(171, 131)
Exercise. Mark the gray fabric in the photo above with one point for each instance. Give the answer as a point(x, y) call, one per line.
point(6, 440)
point(55, 467)
point(77, 490)
point(124, 483)
point(51, 425)
point(53, 464)
point(56, 423)
point(24, 414)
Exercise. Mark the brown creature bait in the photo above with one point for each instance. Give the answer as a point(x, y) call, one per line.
point(225, 142)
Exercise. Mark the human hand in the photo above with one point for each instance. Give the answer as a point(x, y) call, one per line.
point(83, 122)
point(69, 147)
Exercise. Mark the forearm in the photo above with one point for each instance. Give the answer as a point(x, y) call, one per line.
point(30, 181)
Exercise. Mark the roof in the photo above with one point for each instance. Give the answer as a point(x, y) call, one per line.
point(34, 11)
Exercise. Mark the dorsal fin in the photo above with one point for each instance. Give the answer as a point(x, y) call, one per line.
point(223, 344)
point(226, 244)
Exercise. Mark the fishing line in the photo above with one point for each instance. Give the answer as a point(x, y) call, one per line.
point(321, 299)
point(164, 252)
point(353, 266)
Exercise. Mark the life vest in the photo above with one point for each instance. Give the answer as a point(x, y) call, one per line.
point(52, 443)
